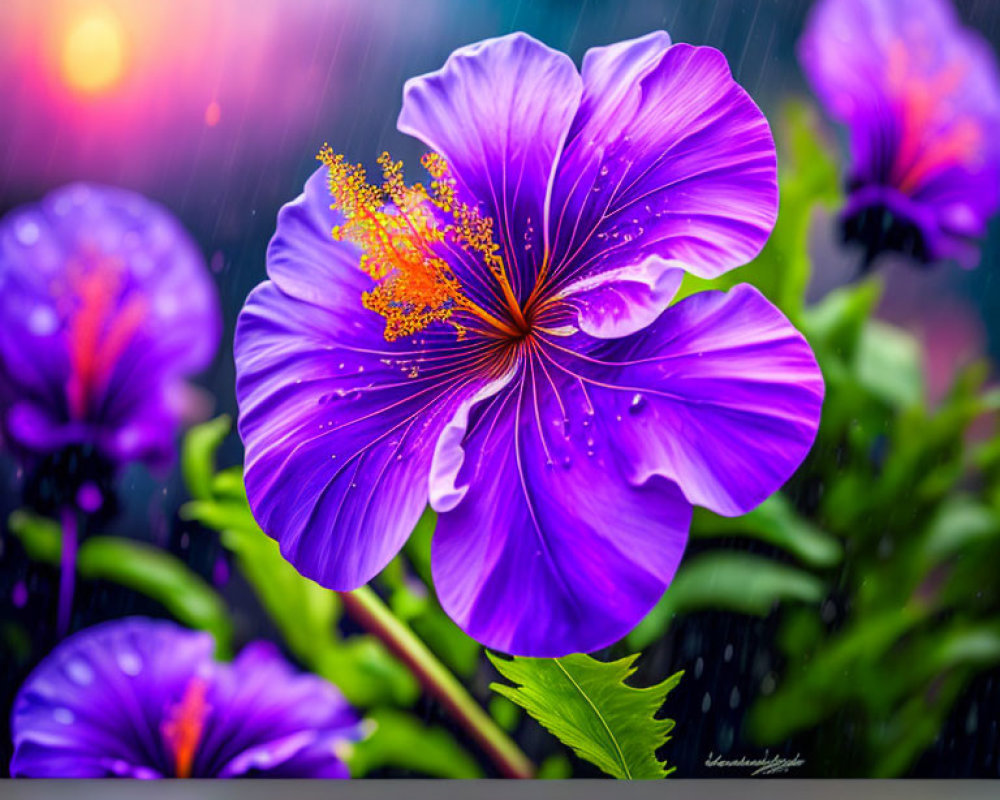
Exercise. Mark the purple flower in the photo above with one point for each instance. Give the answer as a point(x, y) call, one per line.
point(142, 698)
point(499, 344)
point(920, 95)
point(106, 305)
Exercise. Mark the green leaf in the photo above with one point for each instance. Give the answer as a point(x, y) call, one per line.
point(161, 576)
point(889, 364)
point(398, 739)
point(729, 581)
point(307, 616)
point(41, 537)
point(776, 522)
point(587, 705)
point(136, 565)
point(198, 455)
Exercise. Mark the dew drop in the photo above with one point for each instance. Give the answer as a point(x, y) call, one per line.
point(129, 663)
point(27, 233)
point(42, 321)
point(637, 404)
point(80, 672)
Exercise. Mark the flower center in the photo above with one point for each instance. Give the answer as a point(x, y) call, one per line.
point(924, 104)
point(184, 724)
point(410, 238)
point(99, 325)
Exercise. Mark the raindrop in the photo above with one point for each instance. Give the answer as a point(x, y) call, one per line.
point(42, 321)
point(734, 697)
point(706, 703)
point(27, 233)
point(699, 667)
point(64, 715)
point(129, 663)
point(727, 654)
point(80, 672)
point(637, 404)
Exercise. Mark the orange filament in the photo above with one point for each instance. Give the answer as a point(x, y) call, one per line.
point(400, 230)
point(921, 149)
point(184, 725)
point(97, 330)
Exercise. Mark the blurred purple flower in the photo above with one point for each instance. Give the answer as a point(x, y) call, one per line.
point(140, 698)
point(538, 392)
point(920, 95)
point(106, 306)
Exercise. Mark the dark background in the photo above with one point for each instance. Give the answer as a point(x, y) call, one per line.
point(286, 77)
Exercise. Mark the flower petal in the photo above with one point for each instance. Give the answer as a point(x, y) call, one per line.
point(621, 301)
point(550, 549)
point(499, 111)
point(669, 157)
point(338, 424)
point(721, 395)
point(113, 266)
point(272, 719)
point(921, 96)
point(93, 707)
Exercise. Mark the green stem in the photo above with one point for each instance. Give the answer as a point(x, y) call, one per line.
point(371, 613)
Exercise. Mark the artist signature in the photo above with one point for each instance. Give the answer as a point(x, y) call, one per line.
point(767, 765)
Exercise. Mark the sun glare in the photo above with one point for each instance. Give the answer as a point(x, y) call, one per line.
point(93, 52)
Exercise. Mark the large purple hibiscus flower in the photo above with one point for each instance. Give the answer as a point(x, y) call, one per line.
point(140, 698)
point(500, 344)
point(920, 95)
point(106, 305)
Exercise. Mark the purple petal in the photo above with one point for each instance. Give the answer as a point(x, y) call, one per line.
point(621, 301)
point(721, 395)
point(667, 157)
point(270, 718)
point(93, 707)
point(546, 547)
point(499, 111)
point(338, 424)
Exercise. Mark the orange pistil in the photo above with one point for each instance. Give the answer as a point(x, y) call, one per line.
point(402, 231)
point(184, 725)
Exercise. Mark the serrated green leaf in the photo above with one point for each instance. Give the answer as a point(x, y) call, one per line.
point(398, 739)
point(586, 704)
point(729, 581)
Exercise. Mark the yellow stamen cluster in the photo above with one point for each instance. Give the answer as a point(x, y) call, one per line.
point(402, 231)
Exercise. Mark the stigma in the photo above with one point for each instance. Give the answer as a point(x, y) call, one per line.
point(404, 232)
point(184, 725)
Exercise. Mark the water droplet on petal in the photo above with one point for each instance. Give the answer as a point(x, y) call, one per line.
point(27, 232)
point(64, 716)
point(637, 404)
point(80, 672)
point(129, 662)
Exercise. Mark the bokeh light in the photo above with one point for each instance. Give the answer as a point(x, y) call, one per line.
point(94, 52)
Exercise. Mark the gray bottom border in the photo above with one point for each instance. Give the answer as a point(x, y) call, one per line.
point(670, 789)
